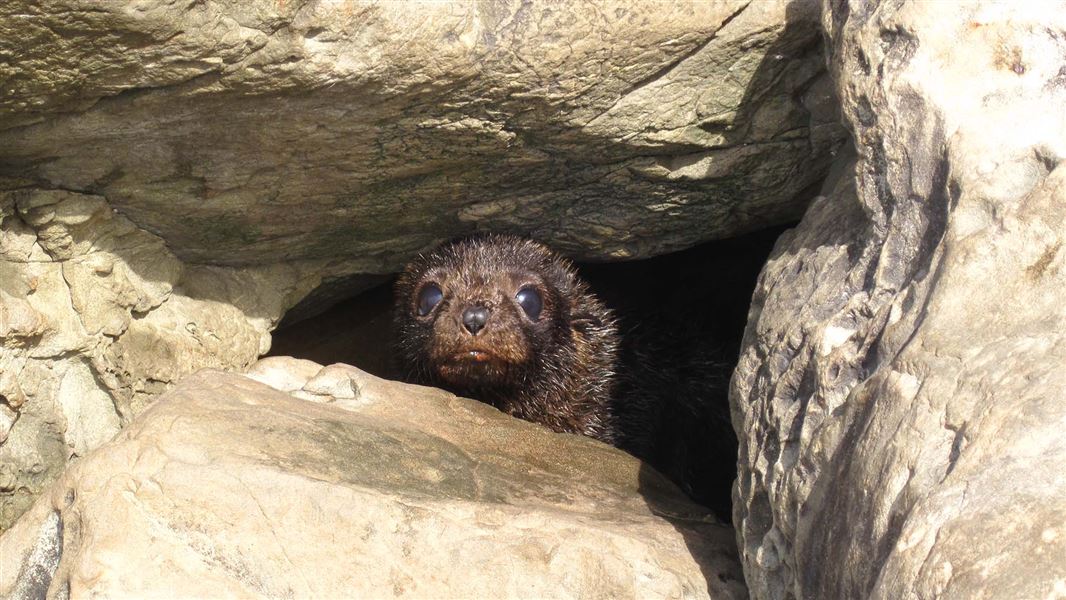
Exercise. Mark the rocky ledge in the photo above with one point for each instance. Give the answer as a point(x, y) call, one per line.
point(302, 481)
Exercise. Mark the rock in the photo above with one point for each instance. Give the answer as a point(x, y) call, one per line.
point(901, 393)
point(605, 130)
point(228, 487)
point(175, 177)
point(283, 373)
point(97, 317)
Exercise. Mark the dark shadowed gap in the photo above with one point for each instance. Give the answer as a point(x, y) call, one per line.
point(682, 317)
point(678, 312)
point(355, 331)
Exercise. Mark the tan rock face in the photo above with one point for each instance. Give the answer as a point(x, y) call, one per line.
point(606, 130)
point(174, 177)
point(901, 394)
point(97, 317)
point(228, 487)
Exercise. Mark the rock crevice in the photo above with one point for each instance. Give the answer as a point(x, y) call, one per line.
point(173, 178)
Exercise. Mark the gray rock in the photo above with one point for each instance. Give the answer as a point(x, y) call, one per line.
point(227, 487)
point(606, 130)
point(901, 393)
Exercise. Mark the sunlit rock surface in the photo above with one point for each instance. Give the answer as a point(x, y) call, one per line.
point(97, 317)
point(337, 484)
point(257, 132)
point(901, 396)
point(175, 177)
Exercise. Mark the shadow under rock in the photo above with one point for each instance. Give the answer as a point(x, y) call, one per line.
point(720, 284)
point(356, 331)
point(711, 542)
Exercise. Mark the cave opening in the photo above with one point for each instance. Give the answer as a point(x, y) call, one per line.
point(685, 302)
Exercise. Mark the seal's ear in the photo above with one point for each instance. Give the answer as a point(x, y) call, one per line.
point(592, 319)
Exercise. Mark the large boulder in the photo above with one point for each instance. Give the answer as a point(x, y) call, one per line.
point(175, 176)
point(384, 128)
point(901, 395)
point(331, 483)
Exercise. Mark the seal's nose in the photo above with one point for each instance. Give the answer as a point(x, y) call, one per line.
point(474, 318)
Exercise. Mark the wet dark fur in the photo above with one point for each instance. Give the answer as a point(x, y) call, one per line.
point(557, 371)
point(672, 406)
point(666, 404)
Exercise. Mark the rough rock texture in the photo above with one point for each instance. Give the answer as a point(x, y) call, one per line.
point(228, 487)
point(211, 162)
point(902, 390)
point(97, 317)
point(386, 127)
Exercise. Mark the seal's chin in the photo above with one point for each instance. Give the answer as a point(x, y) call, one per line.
point(474, 357)
point(474, 368)
point(478, 356)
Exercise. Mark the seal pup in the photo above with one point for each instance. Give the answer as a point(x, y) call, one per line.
point(506, 321)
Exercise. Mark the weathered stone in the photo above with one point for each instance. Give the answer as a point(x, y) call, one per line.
point(88, 410)
point(607, 130)
point(901, 394)
point(227, 487)
point(176, 176)
point(7, 419)
point(283, 373)
point(97, 317)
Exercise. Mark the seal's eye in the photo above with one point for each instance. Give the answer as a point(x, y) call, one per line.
point(529, 299)
point(429, 297)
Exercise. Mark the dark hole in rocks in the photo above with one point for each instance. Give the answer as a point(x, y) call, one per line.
point(685, 310)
